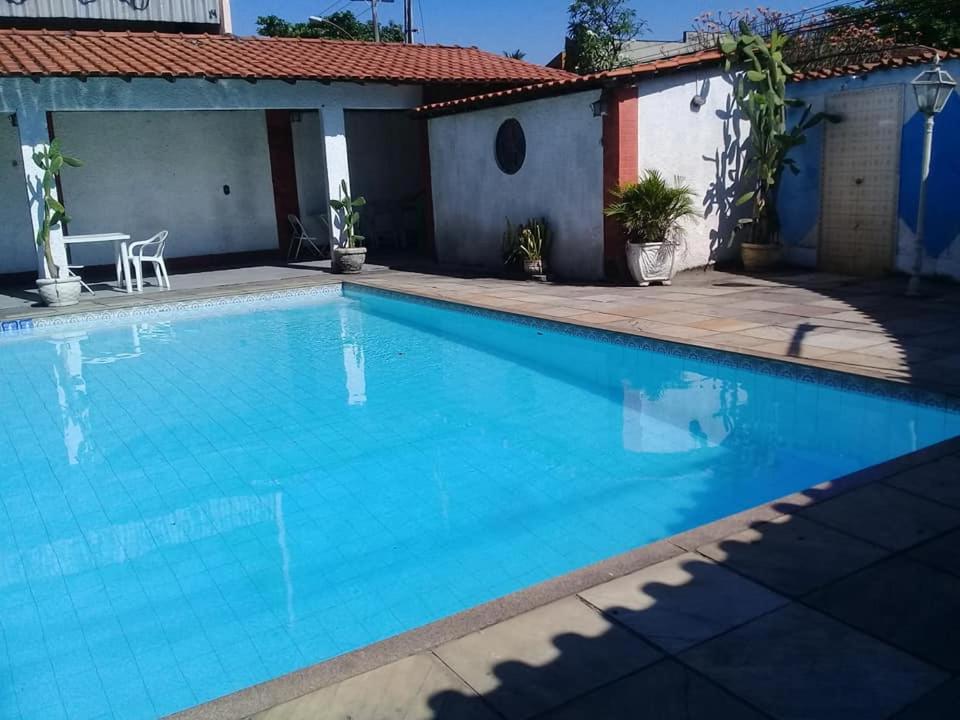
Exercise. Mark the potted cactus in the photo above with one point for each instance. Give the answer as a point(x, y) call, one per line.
point(650, 212)
point(58, 288)
point(350, 254)
point(760, 93)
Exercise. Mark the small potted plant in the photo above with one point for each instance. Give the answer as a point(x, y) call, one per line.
point(57, 288)
point(528, 245)
point(534, 245)
point(650, 212)
point(350, 254)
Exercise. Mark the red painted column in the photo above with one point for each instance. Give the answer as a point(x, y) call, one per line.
point(620, 164)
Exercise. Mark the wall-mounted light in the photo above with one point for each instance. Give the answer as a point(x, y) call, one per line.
point(599, 108)
point(13, 120)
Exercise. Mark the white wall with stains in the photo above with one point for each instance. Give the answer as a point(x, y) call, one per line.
point(561, 179)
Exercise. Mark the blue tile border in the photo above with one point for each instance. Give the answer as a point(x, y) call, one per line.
point(151, 311)
point(753, 363)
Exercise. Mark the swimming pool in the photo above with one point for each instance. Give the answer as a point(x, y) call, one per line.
point(192, 503)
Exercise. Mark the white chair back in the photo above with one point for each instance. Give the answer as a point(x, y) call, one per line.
point(153, 247)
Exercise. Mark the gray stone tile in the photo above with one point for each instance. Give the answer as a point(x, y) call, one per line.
point(885, 516)
point(942, 553)
point(938, 481)
point(798, 664)
point(793, 555)
point(541, 659)
point(415, 687)
point(682, 601)
point(941, 704)
point(903, 602)
point(665, 691)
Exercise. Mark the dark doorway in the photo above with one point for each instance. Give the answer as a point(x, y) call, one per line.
point(283, 170)
point(385, 150)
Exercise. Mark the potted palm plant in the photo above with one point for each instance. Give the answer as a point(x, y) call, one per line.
point(650, 212)
point(57, 288)
point(350, 254)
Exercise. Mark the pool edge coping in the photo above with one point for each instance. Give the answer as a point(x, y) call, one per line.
point(876, 374)
point(243, 704)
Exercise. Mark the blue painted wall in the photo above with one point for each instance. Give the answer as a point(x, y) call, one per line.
point(800, 199)
point(943, 187)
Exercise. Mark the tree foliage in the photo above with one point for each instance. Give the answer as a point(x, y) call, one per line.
point(920, 22)
point(342, 25)
point(597, 32)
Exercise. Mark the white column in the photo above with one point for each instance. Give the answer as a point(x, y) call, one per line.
point(335, 156)
point(34, 134)
point(226, 17)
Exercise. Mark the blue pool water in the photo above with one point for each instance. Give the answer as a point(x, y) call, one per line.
point(195, 503)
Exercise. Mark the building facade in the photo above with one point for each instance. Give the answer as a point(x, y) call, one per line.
point(188, 16)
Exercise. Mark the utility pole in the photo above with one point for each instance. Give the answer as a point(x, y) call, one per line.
point(408, 21)
point(373, 13)
point(376, 24)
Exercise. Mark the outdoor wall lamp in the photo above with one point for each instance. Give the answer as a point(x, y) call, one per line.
point(932, 88)
point(599, 108)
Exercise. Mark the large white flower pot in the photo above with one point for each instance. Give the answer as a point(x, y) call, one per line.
point(651, 262)
point(59, 292)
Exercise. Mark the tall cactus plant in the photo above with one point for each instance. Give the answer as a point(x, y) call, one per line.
point(349, 210)
point(760, 91)
point(50, 159)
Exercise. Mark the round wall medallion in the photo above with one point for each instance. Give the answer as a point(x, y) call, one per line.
point(511, 146)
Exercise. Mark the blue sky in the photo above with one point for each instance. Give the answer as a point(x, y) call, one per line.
point(534, 26)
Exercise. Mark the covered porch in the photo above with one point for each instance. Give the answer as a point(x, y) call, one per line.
point(221, 166)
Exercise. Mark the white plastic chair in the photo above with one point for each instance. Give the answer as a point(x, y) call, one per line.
point(150, 251)
point(298, 238)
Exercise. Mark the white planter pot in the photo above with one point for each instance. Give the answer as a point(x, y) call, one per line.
point(59, 292)
point(651, 262)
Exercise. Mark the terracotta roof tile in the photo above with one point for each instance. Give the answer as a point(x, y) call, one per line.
point(574, 83)
point(903, 58)
point(48, 53)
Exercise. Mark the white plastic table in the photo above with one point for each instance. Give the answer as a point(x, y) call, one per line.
point(119, 241)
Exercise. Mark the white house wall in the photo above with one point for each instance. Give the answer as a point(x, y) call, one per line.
point(149, 171)
point(699, 144)
point(561, 180)
point(17, 249)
